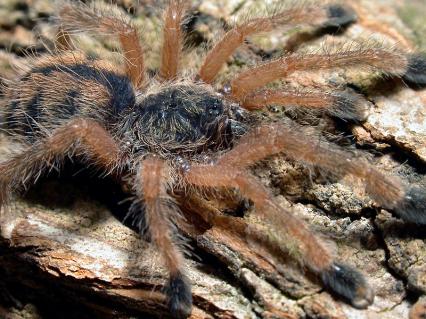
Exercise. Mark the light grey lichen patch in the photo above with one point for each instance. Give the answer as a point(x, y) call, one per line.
point(270, 299)
point(342, 230)
point(407, 250)
point(225, 296)
point(400, 119)
point(28, 311)
point(396, 311)
point(83, 245)
point(338, 199)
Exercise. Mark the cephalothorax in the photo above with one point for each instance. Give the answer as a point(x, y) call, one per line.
point(176, 133)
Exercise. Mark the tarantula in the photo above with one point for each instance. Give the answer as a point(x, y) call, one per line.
point(172, 133)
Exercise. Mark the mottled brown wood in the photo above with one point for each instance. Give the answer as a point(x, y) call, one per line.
point(118, 273)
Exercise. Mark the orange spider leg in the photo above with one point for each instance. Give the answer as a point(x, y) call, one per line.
point(172, 43)
point(151, 182)
point(342, 105)
point(84, 137)
point(313, 252)
point(388, 191)
point(384, 60)
point(296, 15)
point(342, 279)
point(63, 41)
point(80, 17)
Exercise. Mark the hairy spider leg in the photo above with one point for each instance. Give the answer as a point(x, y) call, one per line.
point(151, 187)
point(80, 17)
point(388, 191)
point(312, 252)
point(83, 137)
point(310, 14)
point(172, 42)
point(63, 40)
point(339, 277)
point(381, 59)
point(343, 105)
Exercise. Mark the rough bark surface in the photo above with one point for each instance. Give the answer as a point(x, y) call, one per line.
point(65, 254)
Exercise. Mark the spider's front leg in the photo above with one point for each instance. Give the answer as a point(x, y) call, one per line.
point(79, 136)
point(152, 178)
point(343, 105)
point(411, 68)
point(334, 15)
point(338, 277)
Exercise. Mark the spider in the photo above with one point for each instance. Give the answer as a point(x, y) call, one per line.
point(173, 134)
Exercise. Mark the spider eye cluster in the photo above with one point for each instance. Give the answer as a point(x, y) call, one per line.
point(214, 107)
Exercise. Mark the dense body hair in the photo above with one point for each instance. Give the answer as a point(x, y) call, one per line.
point(166, 118)
point(174, 134)
point(59, 88)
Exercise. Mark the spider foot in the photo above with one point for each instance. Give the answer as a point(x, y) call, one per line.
point(179, 297)
point(351, 107)
point(339, 16)
point(416, 70)
point(348, 283)
point(413, 207)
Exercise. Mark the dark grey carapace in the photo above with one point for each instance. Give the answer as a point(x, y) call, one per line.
point(184, 118)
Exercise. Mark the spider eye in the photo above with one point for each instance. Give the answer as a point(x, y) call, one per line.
point(214, 108)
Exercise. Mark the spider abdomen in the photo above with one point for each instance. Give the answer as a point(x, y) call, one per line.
point(51, 93)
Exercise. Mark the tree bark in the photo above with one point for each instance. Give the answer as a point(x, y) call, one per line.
point(64, 252)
